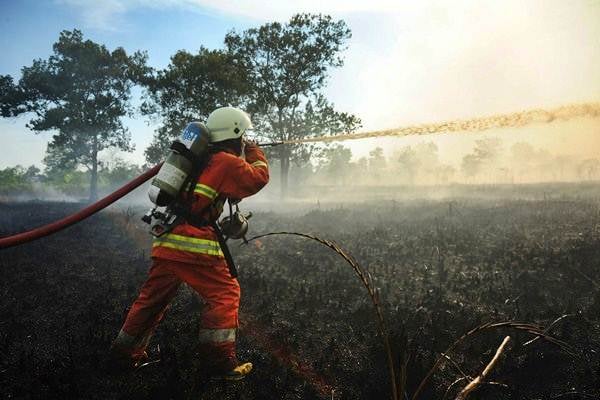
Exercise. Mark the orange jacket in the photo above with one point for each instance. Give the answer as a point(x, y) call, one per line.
point(226, 176)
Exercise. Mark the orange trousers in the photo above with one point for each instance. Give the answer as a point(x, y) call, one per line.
point(219, 318)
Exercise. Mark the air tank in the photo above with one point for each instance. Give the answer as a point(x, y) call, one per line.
point(190, 148)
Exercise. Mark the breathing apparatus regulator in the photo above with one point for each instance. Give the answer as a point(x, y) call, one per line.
point(235, 226)
point(185, 161)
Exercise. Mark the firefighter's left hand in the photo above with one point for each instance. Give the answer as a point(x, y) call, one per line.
point(250, 143)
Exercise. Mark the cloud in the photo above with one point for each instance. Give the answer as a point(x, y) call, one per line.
point(101, 15)
point(262, 10)
point(107, 14)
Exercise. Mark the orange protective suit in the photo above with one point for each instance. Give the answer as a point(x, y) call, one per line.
point(193, 255)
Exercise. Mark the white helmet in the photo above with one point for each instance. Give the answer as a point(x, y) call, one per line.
point(227, 123)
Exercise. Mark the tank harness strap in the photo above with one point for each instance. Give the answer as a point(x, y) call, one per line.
point(185, 152)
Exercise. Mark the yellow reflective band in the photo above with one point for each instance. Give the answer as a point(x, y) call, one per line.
point(191, 249)
point(185, 243)
point(259, 164)
point(216, 335)
point(181, 238)
point(206, 191)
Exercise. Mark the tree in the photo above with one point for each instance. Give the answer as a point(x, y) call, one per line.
point(81, 91)
point(486, 152)
point(189, 89)
point(16, 180)
point(11, 98)
point(471, 165)
point(335, 164)
point(377, 163)
point(286, 67)
point(444, 173)
point(589, 168)
point(408, 162)
point(418, 161)
point(119, 171)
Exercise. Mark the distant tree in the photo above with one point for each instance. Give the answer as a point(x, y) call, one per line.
point(377, 163)
point(189, 89)
point(335, 163)
point(81, 92)
point(444, 173)
point(589, 169)
point(32, 173)
point(523, 158)
point(286, 67)
point(523, 151)
point(471, 165)
point(14, 180)
point(486, 152)
point(408, 163)
point(360, 170)
point(563, 164)
point(119, 171)
point(377, 159)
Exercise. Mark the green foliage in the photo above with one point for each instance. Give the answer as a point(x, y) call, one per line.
point(17, 180)
point(335, 163)
point(286, 67)
point(74, 182)
point(81, 92)
point(191, 87)
point(120, 172)
point(11, 97)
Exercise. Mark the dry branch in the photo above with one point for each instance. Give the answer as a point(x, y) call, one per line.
point(521, 326)
point(474, 384)
point(547, 330)
point(367, 281)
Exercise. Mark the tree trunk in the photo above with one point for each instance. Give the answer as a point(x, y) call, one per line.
point(285, 169)
point(94, 177)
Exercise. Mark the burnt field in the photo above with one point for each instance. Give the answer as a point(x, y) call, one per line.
point(307, 323)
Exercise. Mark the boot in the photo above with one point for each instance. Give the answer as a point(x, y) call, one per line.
point(236, 374)
point(122, 359)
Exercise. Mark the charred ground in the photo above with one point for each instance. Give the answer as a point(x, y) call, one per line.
point(443, 267)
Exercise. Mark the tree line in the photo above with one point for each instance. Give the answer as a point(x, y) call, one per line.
point(276, 72)
point(489, 161)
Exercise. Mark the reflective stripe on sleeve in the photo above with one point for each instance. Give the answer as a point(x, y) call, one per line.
point(185, 243)
point(216, 335)
point(259, 164)
point(206, 190)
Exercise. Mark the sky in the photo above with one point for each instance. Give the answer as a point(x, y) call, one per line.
point(407, 62)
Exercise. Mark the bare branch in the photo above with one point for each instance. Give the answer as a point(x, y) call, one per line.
point(475, 383)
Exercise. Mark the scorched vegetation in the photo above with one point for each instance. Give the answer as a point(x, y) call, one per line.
point(442, 268)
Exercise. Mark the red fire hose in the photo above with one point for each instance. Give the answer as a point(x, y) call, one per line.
point(56, 226)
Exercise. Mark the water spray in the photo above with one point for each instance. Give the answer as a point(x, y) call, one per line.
point(511, 120)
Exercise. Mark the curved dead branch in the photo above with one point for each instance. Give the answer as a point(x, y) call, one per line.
point(367, 281)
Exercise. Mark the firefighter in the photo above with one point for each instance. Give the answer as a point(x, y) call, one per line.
point(192, 254)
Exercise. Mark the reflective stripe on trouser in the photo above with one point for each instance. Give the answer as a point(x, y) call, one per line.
point(216, 335)
point(214, 284)
point(187, 243)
